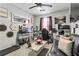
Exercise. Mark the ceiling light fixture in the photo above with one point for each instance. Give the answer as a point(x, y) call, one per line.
point(42, 10)
point(39, 8)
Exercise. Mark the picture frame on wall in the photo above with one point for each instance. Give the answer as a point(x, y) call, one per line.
point(17, 18)
point(14, 27)
point(3, 12)
point(60, 18)
point(72, 19)
point(76, 26)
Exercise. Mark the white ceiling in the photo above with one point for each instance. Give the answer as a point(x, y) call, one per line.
point(35, 11)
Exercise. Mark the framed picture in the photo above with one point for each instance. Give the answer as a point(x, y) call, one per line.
point(17, 18)
point(3, 12)
point(60, 19)
point(76, 26)
point(14, 27)
point(72, 18)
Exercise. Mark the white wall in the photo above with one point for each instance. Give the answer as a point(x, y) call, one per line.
point(75, 13)
point(55, 14)
point(6, 42)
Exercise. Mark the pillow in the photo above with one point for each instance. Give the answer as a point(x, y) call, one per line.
point(65, 46)
point(63, 37)
point(66, 35)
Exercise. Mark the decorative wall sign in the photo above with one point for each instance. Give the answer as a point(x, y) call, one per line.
point(13, 27)
point(61, 19)
point(3, 12)
point(2, 27)
point(17, 18)
point(10, 34)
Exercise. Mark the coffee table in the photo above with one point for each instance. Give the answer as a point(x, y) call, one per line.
point(36, 48)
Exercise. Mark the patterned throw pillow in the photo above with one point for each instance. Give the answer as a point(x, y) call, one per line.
point(65, 46)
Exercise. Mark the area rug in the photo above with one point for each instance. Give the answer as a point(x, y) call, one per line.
point(8, 50)
point(43, 52)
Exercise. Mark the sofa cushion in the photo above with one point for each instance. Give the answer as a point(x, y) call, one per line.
point(75, 38)
point(65, 46)
point(64, 37)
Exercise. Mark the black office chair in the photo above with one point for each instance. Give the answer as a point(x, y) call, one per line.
point(45, 34)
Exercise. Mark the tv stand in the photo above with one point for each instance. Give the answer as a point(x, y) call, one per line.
point(23, 38)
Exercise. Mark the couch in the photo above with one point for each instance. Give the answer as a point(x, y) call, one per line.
point(74, 51)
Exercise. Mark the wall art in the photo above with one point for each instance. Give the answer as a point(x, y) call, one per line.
point(3, 27)
point(10, 34)
point(3, 12)
point(60, 19)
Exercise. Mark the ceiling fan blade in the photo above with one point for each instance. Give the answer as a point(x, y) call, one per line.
point(36, 3)
point(46, 5)
point(32, 7)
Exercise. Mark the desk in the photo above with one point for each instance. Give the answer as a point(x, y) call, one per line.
point(26, 35)
point(23, 38)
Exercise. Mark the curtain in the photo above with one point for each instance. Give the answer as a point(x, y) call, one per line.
point(48, 22)
point(40, 24)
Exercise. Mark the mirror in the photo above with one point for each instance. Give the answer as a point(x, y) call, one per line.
point(10, 34)
point(3, 27)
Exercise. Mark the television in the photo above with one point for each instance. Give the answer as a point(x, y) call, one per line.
point(27, 30)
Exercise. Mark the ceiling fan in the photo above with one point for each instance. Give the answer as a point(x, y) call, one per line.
point(40, 5)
